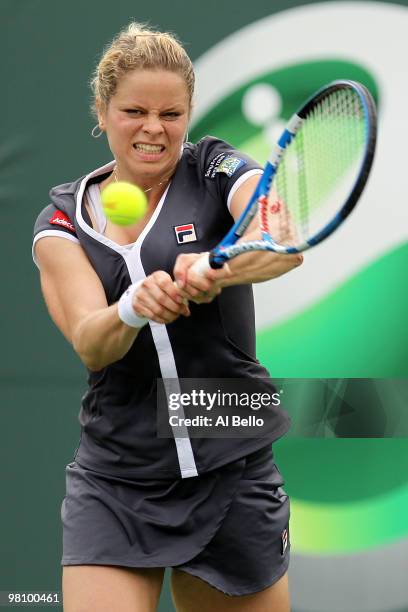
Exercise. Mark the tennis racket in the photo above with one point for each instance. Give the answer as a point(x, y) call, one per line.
point(313, 178)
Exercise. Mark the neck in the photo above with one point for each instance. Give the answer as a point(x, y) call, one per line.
point(148, 189)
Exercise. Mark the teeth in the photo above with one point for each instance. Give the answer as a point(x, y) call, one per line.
point(148, 148)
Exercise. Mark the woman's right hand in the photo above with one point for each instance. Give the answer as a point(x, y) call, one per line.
point(159, 299)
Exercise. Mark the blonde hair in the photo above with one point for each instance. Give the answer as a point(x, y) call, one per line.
point(138, 47)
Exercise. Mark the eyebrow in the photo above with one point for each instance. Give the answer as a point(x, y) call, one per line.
point(179, 107)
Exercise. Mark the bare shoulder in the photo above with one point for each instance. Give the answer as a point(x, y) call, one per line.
point(51, 249)
point(70, 285)
point(242, 195)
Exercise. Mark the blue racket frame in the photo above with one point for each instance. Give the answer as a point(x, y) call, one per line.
point(228, 247)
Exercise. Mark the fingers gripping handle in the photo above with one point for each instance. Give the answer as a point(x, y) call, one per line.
point(202, 265)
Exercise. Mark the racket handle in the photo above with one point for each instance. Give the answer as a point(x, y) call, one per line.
point(201, 265)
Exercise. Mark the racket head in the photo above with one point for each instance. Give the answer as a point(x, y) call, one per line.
point(315, 174)
point(325, 167)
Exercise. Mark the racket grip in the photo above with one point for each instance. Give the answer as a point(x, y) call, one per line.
point(202, 264)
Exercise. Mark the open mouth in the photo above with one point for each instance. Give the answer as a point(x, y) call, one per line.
point(148, 148)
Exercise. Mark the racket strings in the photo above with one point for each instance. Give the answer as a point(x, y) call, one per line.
point(318, 169)
point(303, 190)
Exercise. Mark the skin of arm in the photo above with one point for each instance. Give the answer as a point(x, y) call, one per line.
point(252, 267)
point(77, 303)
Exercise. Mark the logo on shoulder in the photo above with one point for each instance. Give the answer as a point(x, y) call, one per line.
point(60, 218)
point(230, 165)
point(185, 233)
point(224, 163)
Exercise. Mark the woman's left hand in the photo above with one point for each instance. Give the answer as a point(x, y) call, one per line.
point(196, 288)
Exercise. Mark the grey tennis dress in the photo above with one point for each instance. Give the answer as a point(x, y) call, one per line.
point(135, 499)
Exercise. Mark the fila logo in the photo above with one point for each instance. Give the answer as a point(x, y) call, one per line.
point(185, 233)
point(285, 541)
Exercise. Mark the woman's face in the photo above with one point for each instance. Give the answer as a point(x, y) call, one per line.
point(146, 121)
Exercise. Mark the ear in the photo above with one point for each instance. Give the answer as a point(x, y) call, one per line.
point(100, 109)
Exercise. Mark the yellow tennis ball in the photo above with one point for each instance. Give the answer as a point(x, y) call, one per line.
point(124, 203)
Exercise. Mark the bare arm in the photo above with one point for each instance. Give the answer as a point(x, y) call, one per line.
point(252, 267)
point(77, 303)
point(255, 266)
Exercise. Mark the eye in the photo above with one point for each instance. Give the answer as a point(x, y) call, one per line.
point(172, 114)
point(133, 111)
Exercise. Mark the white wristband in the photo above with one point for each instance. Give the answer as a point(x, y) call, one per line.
point(126, 311)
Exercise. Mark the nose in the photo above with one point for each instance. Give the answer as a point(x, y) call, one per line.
point(152, 124)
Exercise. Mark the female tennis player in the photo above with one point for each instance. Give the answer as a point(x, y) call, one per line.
point(214, 510)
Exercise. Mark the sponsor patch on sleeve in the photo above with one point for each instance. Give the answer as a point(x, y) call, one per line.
point(60, 218)
point(228, 164)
